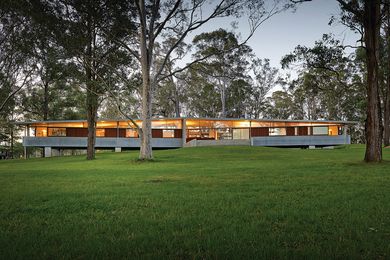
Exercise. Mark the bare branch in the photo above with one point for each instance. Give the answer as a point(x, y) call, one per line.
point(131, 51)
point(15, 91)
point(254, 25)
point(115, 98)
point(161, 26)
point(191, 27)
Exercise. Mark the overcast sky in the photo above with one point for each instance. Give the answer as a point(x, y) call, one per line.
point(279, 35)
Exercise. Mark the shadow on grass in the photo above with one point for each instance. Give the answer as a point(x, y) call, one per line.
point(362, 163)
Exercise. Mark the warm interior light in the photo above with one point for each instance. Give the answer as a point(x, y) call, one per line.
point(333, 130)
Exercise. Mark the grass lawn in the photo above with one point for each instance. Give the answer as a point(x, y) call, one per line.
point(220, 202)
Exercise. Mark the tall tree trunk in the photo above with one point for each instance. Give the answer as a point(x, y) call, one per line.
point(387, 116)
point(175, 98)
point(223, 98)
point(146, 137)
point(373, 121)
point(147, 84)
point(92, 97)
point(223, 101)
point(386, 121)
point(12, 141)
point(45, 101)
point(92, 102)
point(177, 103)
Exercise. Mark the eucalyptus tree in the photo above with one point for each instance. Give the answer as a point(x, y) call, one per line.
point(331, 83)
point(15, 70)
point(80, 29)
point(202, 98)
point(226, 62)
point(265, 78)
point(323, 76)
point(168, 98)
point(15, 65)
point(238, 98)
point(364, 17)
point(279, 105)
point(386, 69)
point(172, 22)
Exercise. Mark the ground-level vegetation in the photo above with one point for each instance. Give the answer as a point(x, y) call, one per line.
point(219, 202)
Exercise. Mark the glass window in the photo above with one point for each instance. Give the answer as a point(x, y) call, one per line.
point(277, 131)
point(333, 130)
point(132, 133)
point(240, 133)
point(100, 132)
point(41, 131)
point(168, 133)
point(224, 134)
point(320, 130)
point(56, 131)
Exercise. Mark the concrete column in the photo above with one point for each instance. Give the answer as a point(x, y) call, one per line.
point(296, 130)
point(345, 130)
point(345, 134)
point(184, 131)
point(47, 152)
point(250, 133)
point(26, 133)
point(118, 149)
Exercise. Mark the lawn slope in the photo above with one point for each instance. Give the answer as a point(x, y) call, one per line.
point(220, 202)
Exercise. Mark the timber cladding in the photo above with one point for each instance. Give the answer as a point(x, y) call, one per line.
point(112, 132)
point(178, 133)
point(157, 133)
point(302, 130)
point(290, 131)
point(260, 131)
point(77, 132)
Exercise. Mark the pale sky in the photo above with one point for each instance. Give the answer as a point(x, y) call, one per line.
point(279, 35)
point(282, 33)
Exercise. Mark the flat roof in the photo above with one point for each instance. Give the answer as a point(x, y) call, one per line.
point(191, 118)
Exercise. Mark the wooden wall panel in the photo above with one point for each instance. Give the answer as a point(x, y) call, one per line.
point(178, 133)
point(122, 132)
point(77, 132)
point(302, 130)
point(157, 133)
point(110, 132)
point(290, 131)
point(260, 131)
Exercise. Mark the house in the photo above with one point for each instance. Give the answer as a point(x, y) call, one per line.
point(181, 132)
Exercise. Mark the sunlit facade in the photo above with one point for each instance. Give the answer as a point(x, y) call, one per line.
point(177, 132)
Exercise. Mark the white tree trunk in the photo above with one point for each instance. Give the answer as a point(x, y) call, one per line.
point(146, 54)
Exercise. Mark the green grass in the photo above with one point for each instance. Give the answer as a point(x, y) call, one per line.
point(221, 202)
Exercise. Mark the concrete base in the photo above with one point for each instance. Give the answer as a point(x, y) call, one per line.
point(118, 149)
point(55, 152)
point(240, 142)
point(328, 147)
point(47, 152)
